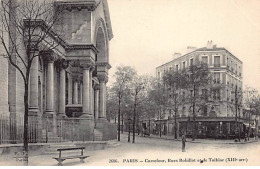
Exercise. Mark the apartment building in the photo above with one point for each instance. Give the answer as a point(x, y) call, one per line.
point(221, 114)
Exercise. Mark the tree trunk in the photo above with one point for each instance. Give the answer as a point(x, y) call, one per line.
point(118, 128)
point(160, 127)
point(193, 114)
point(122, 123)
point(175, 125)
point(149, 126)
point(25, 134)
point(134, 123)
point(129, 125)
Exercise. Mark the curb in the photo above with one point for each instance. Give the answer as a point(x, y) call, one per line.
point(203, 142)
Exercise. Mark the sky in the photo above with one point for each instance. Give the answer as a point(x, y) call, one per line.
point(148, 32)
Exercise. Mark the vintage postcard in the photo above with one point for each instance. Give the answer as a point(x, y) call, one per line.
point(129, 83)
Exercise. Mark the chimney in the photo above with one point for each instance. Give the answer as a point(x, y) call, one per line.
point(210, 45)
point(176, 55)
point(191, 49)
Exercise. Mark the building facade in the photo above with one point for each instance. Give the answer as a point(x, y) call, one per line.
point(67, 83)
point(223, 112)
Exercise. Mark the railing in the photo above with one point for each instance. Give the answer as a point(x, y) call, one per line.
point(71, 129)
point(42, 129)
point(12, 129)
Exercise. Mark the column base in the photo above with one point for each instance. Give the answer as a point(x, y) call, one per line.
point(101, 120)
point(61, 116)
point(49, 113)
point(33, 111)
point(87, 116)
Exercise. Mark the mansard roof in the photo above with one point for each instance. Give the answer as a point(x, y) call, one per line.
point(201, 50)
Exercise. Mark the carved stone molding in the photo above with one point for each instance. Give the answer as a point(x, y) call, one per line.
point(78, 5)
point(64, 64)
point(87, 65)
point(103, 64)
point(81, 47)
point(102, 78)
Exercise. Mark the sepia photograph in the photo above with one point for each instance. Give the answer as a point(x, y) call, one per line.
point(129, 83)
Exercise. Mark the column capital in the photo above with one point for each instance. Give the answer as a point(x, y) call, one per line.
point(33, 48)
point(49, 56)
point(102, 78)
point(63, 64)
point(87, 66)
point(96, 87)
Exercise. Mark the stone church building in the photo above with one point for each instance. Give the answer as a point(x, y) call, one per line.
point(67, 87)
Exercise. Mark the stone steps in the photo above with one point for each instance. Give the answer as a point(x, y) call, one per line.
point(111, 144)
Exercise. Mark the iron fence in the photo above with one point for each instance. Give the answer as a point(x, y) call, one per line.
point(41, 129)
point(12, 128)
point(71, 129)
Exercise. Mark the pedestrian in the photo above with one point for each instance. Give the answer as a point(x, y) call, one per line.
point(245, 137)
point(183, 140)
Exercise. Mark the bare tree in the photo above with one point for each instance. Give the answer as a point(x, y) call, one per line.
point(174, 81)
point(196, 77)
point(25, 27)
point(158, 96)
point(251, 100)
point(137, 90)
point(123, 75)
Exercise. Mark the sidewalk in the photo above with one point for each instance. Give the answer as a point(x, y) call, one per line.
point(203, 141)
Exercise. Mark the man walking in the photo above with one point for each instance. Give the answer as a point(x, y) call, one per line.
point(183, 140)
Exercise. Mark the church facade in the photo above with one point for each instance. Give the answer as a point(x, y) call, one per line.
point(67, 87)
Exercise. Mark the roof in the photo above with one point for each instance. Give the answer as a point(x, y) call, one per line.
point(203, 49)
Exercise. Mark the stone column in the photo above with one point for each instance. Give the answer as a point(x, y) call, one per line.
point(86, 92)
point(75, 95)
point(85, 98)
point(49, 113)
point(80, 93)
point(62, 92)
point(90, 92)
point(96, 101)
point(50, 83)
point(33, 95)
point(102, 95)
point(69, 89)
